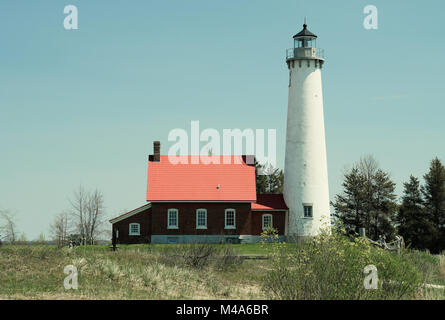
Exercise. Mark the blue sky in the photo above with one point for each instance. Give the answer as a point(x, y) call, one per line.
point(82, 107)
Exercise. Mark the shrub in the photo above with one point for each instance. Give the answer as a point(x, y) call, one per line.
point(196, 256)
point(269, 235)
point(227, 257)
point(330, 266)
point(199, 256)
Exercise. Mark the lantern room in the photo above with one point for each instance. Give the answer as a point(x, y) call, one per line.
point(305, 38)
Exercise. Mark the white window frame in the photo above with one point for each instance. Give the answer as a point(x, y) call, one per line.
point(205, 212)
point(271, 221)
point(171, 210)
point(131, 233)
point(225, 219)
point(304, 210)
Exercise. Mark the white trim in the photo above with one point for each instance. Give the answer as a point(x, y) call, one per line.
point(262, 220)
point(134, 234)
point(284, 210)
point(205, 211)
point(130, 213)
point(168, 218)
point(225, 219)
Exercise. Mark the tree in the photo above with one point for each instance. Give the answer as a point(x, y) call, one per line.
point(88, 213)
point(78, 205)
point(350, 205)
point(260, 178)
point(413, 223)
point(9, 229)
point(434, 195)
point(367, 200)
point(383, 206)
point(95, 215)
point(59, 229)
point(268, 179)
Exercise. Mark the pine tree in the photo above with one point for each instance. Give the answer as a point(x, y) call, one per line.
point(413, 223)
point(434, 196)
point(367, 201)
point(269, 180)
point(349, 206)
point(383, 205)
point(261, 179)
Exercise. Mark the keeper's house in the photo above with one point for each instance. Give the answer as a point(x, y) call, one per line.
point(198, 202)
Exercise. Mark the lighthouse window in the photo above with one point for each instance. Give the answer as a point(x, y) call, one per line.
point(308, 211)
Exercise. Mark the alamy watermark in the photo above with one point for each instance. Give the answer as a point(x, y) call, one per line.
point(371, 20)
point(186, 144)
point(371, 280)
point(71, 281)
point(71, 20)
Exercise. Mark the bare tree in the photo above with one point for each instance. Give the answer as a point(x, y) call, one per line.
point(59, 229)
point(88, 213)
point(368, 166)
point(8, 230)
point(95, 215)
point(78, 205)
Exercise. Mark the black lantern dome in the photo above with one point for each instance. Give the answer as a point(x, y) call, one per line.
point(304, 38)
point(305, 33)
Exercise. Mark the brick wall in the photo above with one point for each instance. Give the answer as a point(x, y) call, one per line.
point(144, 220)
point(154, 221)
point(187, 218)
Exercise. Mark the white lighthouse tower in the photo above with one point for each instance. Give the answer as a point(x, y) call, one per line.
point(306, 190)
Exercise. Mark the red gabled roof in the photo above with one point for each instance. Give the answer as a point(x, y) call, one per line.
point(269, 202)
point(230, 180)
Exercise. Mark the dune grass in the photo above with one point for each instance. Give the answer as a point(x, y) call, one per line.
point(202, 271)
point(133, 272)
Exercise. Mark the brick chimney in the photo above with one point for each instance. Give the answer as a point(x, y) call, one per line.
point(156, 151)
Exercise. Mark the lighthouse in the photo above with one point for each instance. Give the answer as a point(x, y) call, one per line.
point(306, 190)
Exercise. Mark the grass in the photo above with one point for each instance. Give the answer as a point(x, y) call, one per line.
point(169, 271)
point(133, 272)
point(242, 249)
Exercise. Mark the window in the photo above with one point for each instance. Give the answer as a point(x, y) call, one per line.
point(135, 229)
point(230, 219)
point(267, 221)
point(172, 219)
point(307, 210)
point(201, 219)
